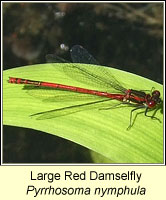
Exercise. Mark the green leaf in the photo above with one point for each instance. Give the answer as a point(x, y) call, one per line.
point(101, 130)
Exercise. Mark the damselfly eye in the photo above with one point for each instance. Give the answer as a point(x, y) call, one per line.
point(151, 104)
point(156, 93)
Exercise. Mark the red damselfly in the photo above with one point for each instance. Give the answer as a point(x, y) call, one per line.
point(101, 77)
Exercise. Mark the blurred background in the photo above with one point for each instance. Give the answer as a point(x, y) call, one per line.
point(127, 36)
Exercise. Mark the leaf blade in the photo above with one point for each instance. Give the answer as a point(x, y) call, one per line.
point(99, 130)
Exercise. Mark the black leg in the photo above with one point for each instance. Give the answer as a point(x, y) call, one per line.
point(139, 107)
point(151, 116)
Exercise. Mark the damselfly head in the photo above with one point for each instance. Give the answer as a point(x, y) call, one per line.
point(156, 93)
point(156, 96)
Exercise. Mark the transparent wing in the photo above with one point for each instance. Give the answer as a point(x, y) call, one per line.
point(78, 55)
point(57, 95)
point(70, 109)
point(81, 55)
point(103, 104)
point(97, 76)
point(53, 58)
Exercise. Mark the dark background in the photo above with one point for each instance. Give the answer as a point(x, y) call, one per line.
point(121, 35)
